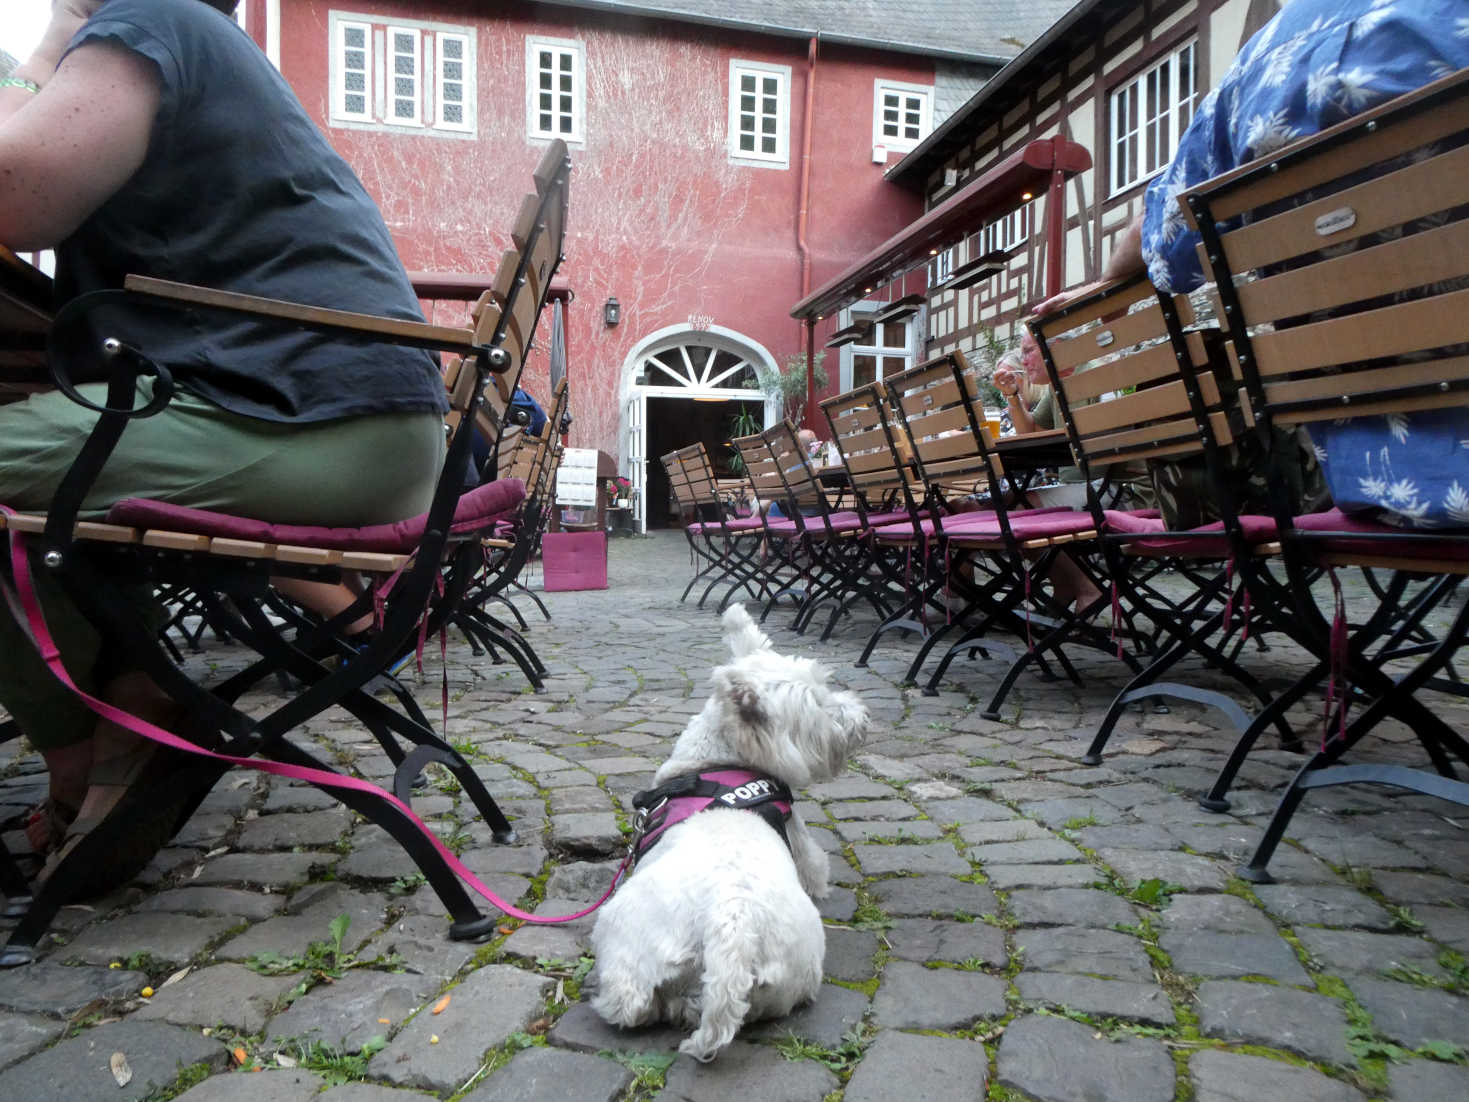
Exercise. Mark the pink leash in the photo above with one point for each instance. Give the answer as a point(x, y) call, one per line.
point(41, 635)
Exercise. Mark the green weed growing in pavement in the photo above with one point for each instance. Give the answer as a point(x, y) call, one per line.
point(1403, 918)
point(1076, 822)
point(188, 1078)
point(323, 959)
point(650, 1069)
point(571, 973)
point(839, 1059)
point(1153, 892)
point(335, 1065)
point(1456, 966)
point(407, 885)
point(516, 1042)
point(869, 916)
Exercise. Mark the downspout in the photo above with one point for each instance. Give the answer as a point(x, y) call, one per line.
point(802, 218)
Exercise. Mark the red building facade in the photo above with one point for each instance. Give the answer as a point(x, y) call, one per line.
point(719, 172)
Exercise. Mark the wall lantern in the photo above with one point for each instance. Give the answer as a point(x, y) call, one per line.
point(612, 311)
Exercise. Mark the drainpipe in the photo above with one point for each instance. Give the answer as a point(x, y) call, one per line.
point(802, 218)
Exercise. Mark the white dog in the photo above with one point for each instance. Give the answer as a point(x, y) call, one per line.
point(716, 924)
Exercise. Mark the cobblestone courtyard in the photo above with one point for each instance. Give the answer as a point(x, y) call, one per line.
point(1007, 923)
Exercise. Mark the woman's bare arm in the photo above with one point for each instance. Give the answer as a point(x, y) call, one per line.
point(65, 150)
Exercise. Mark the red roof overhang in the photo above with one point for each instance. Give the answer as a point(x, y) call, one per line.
point(1023, 175)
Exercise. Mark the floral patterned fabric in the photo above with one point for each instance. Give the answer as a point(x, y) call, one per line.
point(1315, 64)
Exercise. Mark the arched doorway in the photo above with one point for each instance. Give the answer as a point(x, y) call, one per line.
point(683, 385)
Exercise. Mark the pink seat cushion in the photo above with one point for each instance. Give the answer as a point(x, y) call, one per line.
point(478, 509)
point(1028, 524)
point(1451, 546)
point(1209, 539)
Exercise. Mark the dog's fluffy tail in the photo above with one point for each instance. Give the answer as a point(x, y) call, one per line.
point(741, 633)
point(731, 948)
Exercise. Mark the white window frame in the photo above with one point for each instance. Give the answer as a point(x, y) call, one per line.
point(427, 79)
point(559, 47)
point(392, 96)
point(908, 352)
point(465, 102)
point(1154, 136)
point(943, 263)
point(1010, 231)
point(922, 92)
point(340, 71)
point(780, 157)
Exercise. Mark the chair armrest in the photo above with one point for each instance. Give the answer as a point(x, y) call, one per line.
point(398, 330)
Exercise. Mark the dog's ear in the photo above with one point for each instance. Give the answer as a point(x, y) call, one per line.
point(742, 694)
point(741, 634)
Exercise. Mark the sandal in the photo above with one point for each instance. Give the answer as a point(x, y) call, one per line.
point(157, 798)
point(47, 824)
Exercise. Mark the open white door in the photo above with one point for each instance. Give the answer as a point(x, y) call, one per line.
point(637, 454)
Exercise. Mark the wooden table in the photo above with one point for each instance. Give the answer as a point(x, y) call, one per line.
point(25, 318)
point(1026, 454)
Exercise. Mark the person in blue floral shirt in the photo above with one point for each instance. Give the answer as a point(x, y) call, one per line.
point(1315, 64)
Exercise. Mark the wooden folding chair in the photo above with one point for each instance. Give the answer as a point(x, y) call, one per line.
point(1009, 551)
point(1341, 266)
point(880, 470)
point(830, 549)
point(728, 546)
point(1117, 361)
point(425, 565)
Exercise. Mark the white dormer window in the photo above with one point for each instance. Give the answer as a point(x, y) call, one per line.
point(902, 114)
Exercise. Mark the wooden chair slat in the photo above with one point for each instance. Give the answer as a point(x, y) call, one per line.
point(242, 549)
point(175, 541)
point(1374, 145)
point(1114, 336)
point(308, 556)
point(1400, 329)
point(1158, 361)
point(1423, 188)
point(1434, 256)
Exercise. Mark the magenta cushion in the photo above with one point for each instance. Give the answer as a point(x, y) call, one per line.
point(1026, 524)
point(1452, 546)
point(478, 509)
point(1208, 539)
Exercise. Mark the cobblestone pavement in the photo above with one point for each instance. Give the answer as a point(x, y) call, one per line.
point(1007, 924)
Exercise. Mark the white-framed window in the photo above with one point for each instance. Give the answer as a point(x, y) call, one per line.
point(1008, 232)
point(352, 71)
point(1148, 114)
point(451, 83)
point(405, 75)
point(555, 88)
point(405, 72)
point(902, 114)
point(760, 113)
point(887, 350)
point(943, 263)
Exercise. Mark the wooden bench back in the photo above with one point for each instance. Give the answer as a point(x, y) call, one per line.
point(941, 434)
point(1116, 360)
point(867, 434)
point(793, 465)
point(760, 467)
point(696, 475)
point(1342, 262)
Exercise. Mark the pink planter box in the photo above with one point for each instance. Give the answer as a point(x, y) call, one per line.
point(574, 560)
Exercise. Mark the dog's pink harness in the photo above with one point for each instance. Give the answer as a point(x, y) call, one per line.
point(721, 786)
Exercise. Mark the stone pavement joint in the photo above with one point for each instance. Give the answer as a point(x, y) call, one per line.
point(1004, 923)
